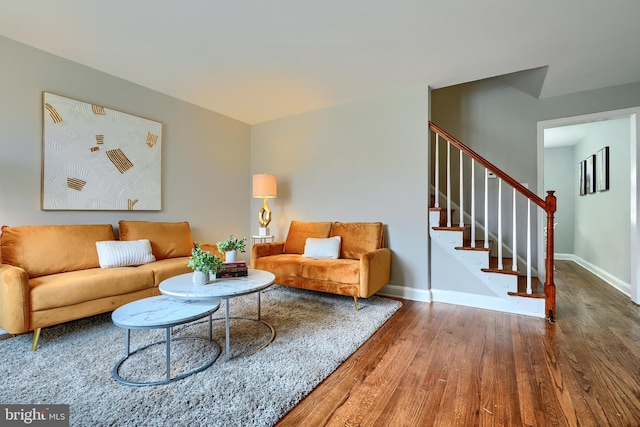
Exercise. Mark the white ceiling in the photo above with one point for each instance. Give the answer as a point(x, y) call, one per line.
point(566, 135)
point(257, 60)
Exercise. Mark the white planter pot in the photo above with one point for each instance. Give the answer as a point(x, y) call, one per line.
point(200, 278)
point(230, 256)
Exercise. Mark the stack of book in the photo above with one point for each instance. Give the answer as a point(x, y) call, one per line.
point(232, 269)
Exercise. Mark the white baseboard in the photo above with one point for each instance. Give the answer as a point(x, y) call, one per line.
point(616, 283)
point(517, 305)
point(403, 292)
point(4, 334)
point(525, 306)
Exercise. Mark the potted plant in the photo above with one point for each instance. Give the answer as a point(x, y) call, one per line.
point(231, 246)
point(203, 263)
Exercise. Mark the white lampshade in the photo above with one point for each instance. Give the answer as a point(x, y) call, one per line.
point(264, 186)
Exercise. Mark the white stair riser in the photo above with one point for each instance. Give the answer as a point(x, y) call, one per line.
point(492, 288)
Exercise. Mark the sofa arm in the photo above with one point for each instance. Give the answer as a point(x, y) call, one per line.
point(260, 250)
point(14, 299)
point(375, 271)
point(209, 247)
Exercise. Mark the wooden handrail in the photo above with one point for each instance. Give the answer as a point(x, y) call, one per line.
point(487, 164)
point(548, 205)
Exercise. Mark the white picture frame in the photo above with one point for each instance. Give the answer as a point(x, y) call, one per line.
point(97, 158)
point(602, 169)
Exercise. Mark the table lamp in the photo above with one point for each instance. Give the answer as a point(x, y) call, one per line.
point(264, 186)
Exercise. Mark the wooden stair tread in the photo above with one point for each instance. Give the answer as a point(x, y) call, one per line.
point(507, 263)
point(537, 288)
point(452, 228)
point(499, 271)
point(525, 295)
point(471, 248)
point(466, 246)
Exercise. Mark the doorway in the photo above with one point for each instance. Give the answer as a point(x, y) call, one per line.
point(587, 224)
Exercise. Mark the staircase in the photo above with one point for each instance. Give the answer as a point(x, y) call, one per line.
point(470, 254)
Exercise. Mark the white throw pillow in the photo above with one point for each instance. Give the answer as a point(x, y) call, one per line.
point(117, 253)
point(328, 248)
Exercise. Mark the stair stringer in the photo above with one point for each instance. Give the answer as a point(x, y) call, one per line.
point(456, 277)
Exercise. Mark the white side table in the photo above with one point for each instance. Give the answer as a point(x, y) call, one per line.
point(262, 239)
point(161, 312)
point(182, 287)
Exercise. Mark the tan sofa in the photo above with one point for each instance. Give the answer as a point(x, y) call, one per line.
point(51, 274)
point(362, 269)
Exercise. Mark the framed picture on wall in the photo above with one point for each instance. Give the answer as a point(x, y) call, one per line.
point(591, 174)
point(582, 182)
point(602, 169)
point(96, 158)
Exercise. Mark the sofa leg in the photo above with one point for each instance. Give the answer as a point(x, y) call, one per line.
point(36, 337)
point(355, 301)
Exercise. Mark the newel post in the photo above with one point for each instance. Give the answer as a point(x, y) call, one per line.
point(549, 285)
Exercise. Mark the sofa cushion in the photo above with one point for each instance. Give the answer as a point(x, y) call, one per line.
point(166, 268)
point(325, 248)
point(49, 249)
point(299, 232)
point(115, 253)
point(168, 239)
point(64, 289)
point(333, 270)
point(285, 264)
point(358, 238)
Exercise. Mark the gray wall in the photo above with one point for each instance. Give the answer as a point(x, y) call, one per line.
point(602, 226)
point(364, 161)
point(205, 159)
point(560, 173)
point(500, 123)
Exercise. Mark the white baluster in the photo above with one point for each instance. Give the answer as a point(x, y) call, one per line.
point(528, 246)
point(461, 193)
point(514, 267)
point(473, 204)
point(500, 224)
point(486, 208)
point(448, 184)
point(437, 170)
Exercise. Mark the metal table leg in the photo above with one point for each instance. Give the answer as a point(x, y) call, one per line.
point(168, 354)
point(226, 328)
point(127, 342)
point(259, 318)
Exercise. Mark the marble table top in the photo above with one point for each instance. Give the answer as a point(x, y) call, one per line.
point(182, 286)
point(161, 312)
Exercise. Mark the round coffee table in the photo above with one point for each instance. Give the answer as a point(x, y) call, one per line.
point(182, 287)
point(162, 312)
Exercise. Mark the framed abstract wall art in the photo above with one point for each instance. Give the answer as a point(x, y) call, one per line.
point(96, 158)
point(582, 181)
point(591, 174)
point(602, 169)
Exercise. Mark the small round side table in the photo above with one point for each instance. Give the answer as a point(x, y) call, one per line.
point(262, 239)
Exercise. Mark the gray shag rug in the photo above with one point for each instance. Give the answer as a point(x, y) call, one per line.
point(315, 333)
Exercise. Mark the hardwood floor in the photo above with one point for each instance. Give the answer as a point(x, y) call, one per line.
point(445, 365)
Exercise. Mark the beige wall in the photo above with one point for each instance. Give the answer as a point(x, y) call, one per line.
point(205, 164)
point(364, 161)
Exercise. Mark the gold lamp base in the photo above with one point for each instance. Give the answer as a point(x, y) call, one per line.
point(264, 214)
